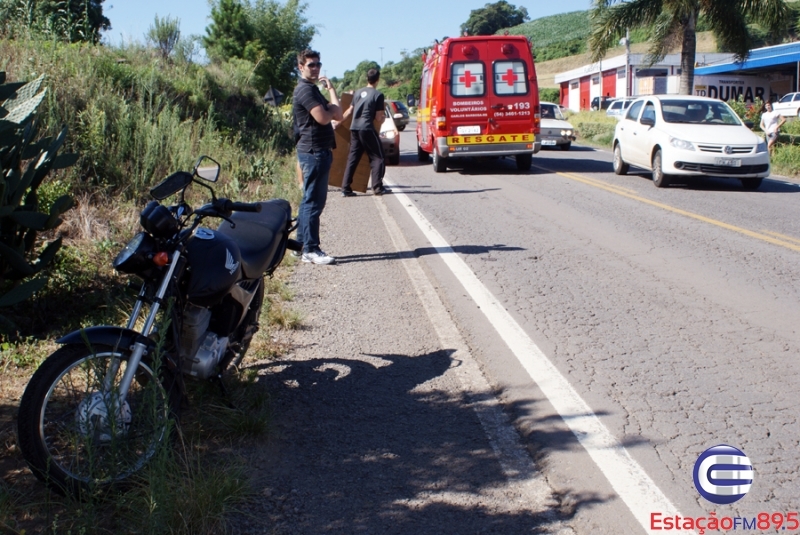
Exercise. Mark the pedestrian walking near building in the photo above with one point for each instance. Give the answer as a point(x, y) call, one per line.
point(771, 122)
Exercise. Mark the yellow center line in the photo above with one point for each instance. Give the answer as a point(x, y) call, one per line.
point(782, 236)
point(626, 193)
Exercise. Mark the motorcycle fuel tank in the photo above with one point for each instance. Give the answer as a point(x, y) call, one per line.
point(214, 267)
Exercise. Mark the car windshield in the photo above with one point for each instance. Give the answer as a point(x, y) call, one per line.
point(698, 112)
point(551, 111)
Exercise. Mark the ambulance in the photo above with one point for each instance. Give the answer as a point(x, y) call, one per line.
point(478, 97)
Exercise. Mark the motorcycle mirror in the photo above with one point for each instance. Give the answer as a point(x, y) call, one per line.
point(173, 183)
point(207, 169)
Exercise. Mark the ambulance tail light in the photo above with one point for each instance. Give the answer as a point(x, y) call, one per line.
point(441, 120)
point(537, 119)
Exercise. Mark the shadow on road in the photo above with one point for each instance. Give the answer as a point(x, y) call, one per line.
point(357, 447)
point(425, 251)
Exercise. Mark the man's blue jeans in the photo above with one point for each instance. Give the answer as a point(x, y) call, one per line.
point(316, 167)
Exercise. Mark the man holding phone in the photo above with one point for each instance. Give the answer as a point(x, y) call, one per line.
point(314, 139)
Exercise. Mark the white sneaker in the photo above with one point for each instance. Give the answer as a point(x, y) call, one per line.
point(318, 257)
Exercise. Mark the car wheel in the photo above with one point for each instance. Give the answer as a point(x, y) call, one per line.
point(524, 161)
point(439, 164)
point(394, 159)
point(620, 167)
point(566, 146)
point(660, 179)
point(751, 183)
point(401, 128)
point(422, 156)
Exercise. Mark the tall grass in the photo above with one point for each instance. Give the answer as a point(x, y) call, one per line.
point(135, 117)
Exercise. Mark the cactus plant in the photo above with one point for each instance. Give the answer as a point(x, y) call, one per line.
point(25, 162)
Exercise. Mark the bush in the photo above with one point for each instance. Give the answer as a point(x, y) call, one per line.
point(748, 112)
point(549, 94)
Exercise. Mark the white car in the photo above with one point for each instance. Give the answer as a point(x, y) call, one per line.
point(618, 108)
point(390, 138)
point(686, 135)
point(555, 130)
point(788, 105)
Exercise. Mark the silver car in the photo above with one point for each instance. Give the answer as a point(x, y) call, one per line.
point(555, 130)
point(618, 107)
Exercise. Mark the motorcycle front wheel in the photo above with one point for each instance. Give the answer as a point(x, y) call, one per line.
point(73, 432)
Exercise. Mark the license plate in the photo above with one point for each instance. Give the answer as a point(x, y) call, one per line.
point(547, 142)
point(728, 162)
point(464, 130)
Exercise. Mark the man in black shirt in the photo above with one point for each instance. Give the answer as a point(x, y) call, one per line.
point(367, 107)
point(313, 133)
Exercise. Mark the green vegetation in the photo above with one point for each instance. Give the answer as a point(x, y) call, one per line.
point(562, 35)
point(265, 33)
point(493, 17)
point(164, 34)
point(72, 21)
point(25, 161)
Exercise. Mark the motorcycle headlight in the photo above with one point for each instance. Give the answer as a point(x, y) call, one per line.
point(136, 255)
point(761, 147)
point(681, 144)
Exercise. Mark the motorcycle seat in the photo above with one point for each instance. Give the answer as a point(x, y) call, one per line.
point(261, 236)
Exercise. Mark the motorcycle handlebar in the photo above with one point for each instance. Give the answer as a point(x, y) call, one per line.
point(242, 206)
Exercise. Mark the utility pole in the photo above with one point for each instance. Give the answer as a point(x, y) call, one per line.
point(381, 55)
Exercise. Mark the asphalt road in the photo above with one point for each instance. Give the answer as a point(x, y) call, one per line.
point(622, 329)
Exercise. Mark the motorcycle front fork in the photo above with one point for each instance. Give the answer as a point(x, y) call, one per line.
point(139, 349)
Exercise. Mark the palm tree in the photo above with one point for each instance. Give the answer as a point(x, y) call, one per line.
point(674, 22)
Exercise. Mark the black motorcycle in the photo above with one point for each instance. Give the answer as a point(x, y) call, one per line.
point(97, 409)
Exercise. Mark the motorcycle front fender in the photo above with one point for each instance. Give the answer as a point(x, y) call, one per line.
point(107, 335)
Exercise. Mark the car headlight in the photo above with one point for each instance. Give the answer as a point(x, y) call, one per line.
point(566, 133)
point(390, 134)
point(761, 147)
point(681, 144)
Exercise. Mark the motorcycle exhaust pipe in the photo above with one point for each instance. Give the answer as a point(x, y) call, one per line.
point(294, 245)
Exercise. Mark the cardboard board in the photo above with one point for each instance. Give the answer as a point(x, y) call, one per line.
point(342, 132)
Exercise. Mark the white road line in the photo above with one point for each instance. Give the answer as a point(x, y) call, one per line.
point(518, 467)
point(627, 477)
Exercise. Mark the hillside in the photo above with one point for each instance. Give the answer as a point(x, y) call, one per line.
point(546, 70)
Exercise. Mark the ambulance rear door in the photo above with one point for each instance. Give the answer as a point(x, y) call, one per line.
point(491, 95)
point(512, 93)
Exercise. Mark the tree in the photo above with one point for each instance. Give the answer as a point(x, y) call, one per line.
point(266, 33)
point(229, 32)
point(164, 34)
point(674, 22)
point(71, 20)
point(493, 17)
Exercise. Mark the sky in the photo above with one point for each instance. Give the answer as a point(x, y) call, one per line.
point(348, 31)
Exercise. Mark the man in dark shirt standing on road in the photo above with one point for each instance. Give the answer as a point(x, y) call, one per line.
point(367, 107)
point(313, 134)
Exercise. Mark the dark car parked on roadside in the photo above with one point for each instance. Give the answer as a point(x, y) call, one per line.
point(399, 113)
point(601, 103)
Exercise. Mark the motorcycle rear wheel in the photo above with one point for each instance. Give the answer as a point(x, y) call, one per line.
point(69, 432)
